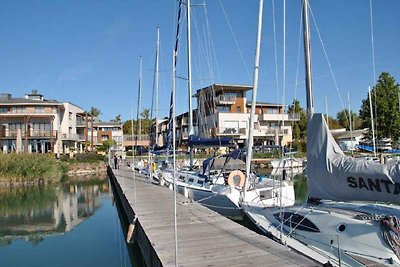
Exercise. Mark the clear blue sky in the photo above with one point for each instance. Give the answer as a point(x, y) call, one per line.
point(87, 52)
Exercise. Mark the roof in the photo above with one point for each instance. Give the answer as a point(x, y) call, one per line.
point(24, 101)
point(224, 87)
point(348, 134)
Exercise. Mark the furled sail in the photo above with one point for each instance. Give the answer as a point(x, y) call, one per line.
point(202, 141)
point(335, 176)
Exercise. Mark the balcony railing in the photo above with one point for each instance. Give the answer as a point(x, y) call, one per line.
point(71, 136)
point(13, 134)
point(143, 137)
point(222, 99)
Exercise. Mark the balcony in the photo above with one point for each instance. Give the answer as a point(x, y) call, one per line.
point(225, 100)
point(226, 131)
point(71, 136)
point(38, 134)
point(143, 137)
point(279, 117)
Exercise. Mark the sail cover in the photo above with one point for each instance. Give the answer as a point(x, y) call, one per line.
point(335, 176)
point(214, 142)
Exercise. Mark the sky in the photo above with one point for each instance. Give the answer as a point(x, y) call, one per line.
point(87, 52)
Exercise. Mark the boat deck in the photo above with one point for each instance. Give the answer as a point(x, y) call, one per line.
point(205, 238)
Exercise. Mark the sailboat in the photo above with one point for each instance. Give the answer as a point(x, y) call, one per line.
point(342, 222)
point(226, 180)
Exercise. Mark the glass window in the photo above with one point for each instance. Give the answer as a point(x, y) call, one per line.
point(298, 222)
point(3, 110)
point(224, 109)
point(18, 110)
point(39, 109)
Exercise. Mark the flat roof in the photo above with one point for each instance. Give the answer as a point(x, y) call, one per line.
point(217, 87)
point(24, 101)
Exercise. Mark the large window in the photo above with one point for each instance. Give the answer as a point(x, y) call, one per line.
point(18, 110)
point(3, 110)
point(224, 109)
point(297, 221)
point(39, 109)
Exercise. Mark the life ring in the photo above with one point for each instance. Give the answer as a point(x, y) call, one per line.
point(232, 180)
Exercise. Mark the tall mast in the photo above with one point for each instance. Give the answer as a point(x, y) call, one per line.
point(372, 120)
point(174, 155)
point(189, 58)
point(156, 81)
point(350, 124)
point(307, 56)
point(139, 101)
point(254, 97)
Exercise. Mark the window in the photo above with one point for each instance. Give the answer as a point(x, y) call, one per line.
point(223, 109)
point(70, 115)
point(297, 221)
point(272, 110)
point(18, 110)
point(238, 109)
point(39, 109)
point(3, 110)
point(104, 137)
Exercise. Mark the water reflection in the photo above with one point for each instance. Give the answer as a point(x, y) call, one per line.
point(33, 213)
point(300, 184)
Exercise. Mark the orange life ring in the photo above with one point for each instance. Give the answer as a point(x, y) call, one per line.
point(233, 182)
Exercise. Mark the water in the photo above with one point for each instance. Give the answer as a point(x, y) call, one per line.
point(300, 184)
point(74, 225)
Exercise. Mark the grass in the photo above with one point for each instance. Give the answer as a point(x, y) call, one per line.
point(30, 168)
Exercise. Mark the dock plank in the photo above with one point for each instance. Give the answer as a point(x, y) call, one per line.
point(205, 238)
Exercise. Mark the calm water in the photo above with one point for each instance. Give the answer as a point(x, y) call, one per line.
point(300, 184)
point(76, 225)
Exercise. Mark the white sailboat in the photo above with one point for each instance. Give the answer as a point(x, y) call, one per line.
point(361, 233)
point(223, 188)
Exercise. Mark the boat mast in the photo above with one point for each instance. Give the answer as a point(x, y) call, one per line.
point(189, 67)
point(139, 102)
point(254, 98)
point(372, 120)
point(156, 82)
point(307, 56)
point(350, 125)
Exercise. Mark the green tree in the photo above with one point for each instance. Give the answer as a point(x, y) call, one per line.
point(343, 119)
point(386, 96)
point(333, 123)
point(300, 126)
point(95, 112)
point(107, 144)
point(117, 119)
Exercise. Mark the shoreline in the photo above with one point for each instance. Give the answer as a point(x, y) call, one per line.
point(78, 172)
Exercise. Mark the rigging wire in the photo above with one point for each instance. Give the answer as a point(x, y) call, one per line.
point(373, 63)
point(275, 52)
point(327, 59)
point(236, 42)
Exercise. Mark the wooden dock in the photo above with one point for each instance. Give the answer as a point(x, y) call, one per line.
point(205, 238)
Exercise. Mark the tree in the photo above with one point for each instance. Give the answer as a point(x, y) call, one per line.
point(145, 121)
point(95, 112)
point(300, 126)
point(145, 124)
point(343, 119)
point(117, 119)
point(107, 144)
point(386, 96)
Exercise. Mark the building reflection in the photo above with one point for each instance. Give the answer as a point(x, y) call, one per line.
point(34, 213)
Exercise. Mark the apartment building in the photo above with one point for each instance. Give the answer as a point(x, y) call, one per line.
point(224, 111)
point(37, 125)
point(102, 131)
